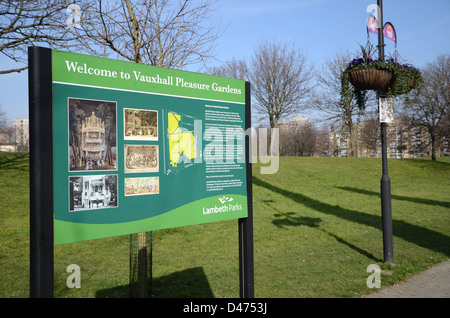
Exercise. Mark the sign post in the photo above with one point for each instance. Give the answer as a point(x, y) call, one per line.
point(41, 173)
point(246, 224)
point(121, 148)
point(385, 183)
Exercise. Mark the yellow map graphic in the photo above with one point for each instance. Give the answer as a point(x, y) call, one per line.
point(181, 140)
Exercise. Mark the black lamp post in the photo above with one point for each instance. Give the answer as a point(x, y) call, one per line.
point(386, 211)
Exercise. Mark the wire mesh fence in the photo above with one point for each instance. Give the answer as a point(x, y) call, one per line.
point(141, 265)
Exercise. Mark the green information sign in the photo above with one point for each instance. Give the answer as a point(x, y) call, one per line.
point(139, 148)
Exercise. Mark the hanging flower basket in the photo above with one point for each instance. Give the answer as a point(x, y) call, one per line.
point(405, 79)
point(365, 74)
point(369, 78)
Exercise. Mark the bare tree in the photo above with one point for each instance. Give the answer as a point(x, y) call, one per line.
point(281, 80)
point(370, 134)
point(430, 107)
point(6, 131)
point(330, 102)
point(24, 23)
point(234, 68)
point(168, 33)
point(322, 147)
point(297, 138)
point(3, 119)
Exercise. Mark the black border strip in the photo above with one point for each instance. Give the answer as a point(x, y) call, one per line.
point(41, 172)
point(246, 262)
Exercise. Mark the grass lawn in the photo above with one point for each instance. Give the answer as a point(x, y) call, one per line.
point(317, 227)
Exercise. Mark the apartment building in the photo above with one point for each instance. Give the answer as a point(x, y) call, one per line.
point(402, 142)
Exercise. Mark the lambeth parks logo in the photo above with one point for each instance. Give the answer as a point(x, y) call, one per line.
point(226, 206)
point(225, 199)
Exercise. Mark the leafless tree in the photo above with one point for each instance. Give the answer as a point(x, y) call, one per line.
point(6, 130)
point(281, 80)
point(167, 33)
point(3, 119)
point(322, 148)
point(429, 108)
point(329, 102)
point(297, 139)
point(24, 23)
point(234, 69)
point(370, 134)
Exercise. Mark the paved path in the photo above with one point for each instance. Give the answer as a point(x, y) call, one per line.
point(432, 283)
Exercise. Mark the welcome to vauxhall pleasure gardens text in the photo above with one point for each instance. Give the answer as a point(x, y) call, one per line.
point(157, 79)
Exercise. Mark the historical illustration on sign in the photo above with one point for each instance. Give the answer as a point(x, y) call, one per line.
point(139, 186)
point(92, 192)
point(92, 135)
point(140, 124)
point(141, 158)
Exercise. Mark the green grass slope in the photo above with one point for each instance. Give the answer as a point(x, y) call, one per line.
point(317, 227)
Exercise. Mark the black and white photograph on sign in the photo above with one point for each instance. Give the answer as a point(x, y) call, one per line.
point(92, 135)
point(92, 192)
point(141, 158)
point(140, 124)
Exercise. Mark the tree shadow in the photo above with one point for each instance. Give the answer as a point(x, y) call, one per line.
point(14, 161)
point(412, 233)
point(290, 219)
point(188, 283)
point(398, 197)
point(427, 162)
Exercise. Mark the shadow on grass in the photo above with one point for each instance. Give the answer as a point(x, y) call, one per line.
point(14, 161)
point(188, 283)
point(441, 162)
point(398, 197)
point(412, 233)
point(289, 219)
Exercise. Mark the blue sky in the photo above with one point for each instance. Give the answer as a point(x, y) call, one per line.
point(321, 28)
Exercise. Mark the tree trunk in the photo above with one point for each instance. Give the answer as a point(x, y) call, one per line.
point(433, 148)
point(351, 140)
